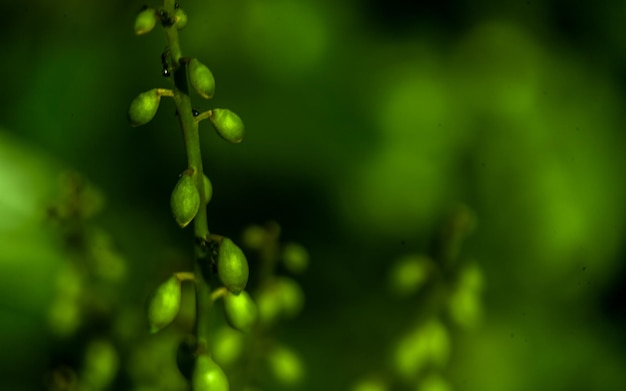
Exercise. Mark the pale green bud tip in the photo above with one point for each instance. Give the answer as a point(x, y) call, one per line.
point(208, 376)
point(241, 312)
point(232, 266)
point(228, 125)
point(145, 21)
point(201, 78)
point(144, 107)
point(185, 200)
point(164, 304)
point(181, 18)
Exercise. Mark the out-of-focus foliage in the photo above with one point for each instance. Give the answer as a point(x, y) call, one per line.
point(366, 122)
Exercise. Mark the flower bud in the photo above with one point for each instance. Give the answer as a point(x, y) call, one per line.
point(185, 200)
point(228, 125)
point(241, 311)
point(143, 108)
point(145, 21)
point(208, 376)
point(232, 266)
point(164, 304)
point(201, 78)
point(181, 18)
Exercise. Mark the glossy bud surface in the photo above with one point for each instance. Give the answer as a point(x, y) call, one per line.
point(201, 78)
point(181, 18)
point(241, 311)
point(232, 266)
point(164, 304)
point(144, 107)
point(228, 125)
point(208, 376)
point(185, 200)
point(145, 21)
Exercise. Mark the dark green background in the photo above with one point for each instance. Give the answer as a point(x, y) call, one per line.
point(366, 122)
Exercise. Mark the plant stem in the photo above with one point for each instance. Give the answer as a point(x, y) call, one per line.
point(194, 161)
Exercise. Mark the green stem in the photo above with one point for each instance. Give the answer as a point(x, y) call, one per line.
point(194, 161)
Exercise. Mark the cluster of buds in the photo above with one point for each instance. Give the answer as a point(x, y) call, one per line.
point(190, 195)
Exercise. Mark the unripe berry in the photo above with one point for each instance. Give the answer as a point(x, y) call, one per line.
point(185, 200)
point(164, 304)
point(201, 78)
point(145, 21)
point(144, 107)
point(228, 125)
point(208, 376)
point(232, 266)
point(241, 311)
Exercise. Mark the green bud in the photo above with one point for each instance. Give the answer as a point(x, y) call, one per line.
point(164, 304)
point(185, 200)
point(295, 257)
point(464, 302)
point(100, 365)
point(285, 365)
point(241, 311)
point(181, 18)
point(291, 296)
point(427, 345)
point(232, 266)
point(144, 107)
point(228, 125)
point(269, 304)
point(465, 307)
point(145, 21)
point(201, 78)
point(254, 237)
point(208, 189)
point(208, 376)
point(409, 274)
point(227, 346)
point(282, 297)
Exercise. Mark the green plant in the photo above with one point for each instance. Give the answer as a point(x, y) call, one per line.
point(214, 254)
point(445, 292)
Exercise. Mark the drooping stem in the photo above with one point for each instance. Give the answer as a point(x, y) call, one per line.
point(194, 160)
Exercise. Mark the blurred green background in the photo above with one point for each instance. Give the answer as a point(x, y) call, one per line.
point(367, 122)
